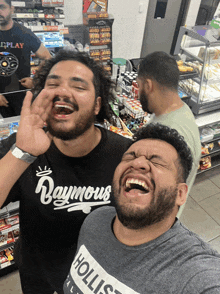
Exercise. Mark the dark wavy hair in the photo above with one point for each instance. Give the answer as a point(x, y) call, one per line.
point(171, 136)
point(104, 86)
point(160, 67)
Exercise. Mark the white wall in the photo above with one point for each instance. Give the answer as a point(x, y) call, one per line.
point(129, 22)
point(192, 12)
point(128, 27)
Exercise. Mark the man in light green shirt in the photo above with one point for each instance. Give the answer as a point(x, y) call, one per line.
point(158, 79)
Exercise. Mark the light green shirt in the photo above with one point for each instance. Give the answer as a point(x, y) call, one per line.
point(183, 121)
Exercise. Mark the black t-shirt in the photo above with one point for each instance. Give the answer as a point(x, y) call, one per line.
point(16, 45)
point(57, 192)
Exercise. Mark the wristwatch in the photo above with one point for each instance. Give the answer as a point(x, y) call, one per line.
point(20, 154)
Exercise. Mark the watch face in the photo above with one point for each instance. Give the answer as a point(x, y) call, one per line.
point(17, 153)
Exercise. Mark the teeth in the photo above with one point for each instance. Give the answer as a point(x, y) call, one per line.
point(129, 182)
point(64, 106)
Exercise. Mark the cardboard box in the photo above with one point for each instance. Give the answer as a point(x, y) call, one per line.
point(91, 6)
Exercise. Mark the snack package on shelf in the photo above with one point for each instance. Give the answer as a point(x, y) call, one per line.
point(2, 223)
point(12, 220)
point(16, 233)
point(9, 252)
point(3, 258)
point(205, 163)
point(216, 130)
point(206, 134)
point(6, 237)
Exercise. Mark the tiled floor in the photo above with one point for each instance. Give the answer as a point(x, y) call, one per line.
point(202, 210)
point(201, 215)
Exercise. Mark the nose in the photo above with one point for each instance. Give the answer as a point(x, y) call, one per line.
point(62, 93)
point(140, 163)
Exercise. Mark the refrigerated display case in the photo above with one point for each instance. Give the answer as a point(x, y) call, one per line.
point(199, 48)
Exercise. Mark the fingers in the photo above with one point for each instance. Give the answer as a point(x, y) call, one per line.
point(26, 104)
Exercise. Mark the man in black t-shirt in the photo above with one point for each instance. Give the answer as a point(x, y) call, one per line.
point(61, 175)
point(16, 44)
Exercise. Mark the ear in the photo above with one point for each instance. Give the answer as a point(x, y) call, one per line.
point(148, 86)
point(182, 194)
point(98, 104)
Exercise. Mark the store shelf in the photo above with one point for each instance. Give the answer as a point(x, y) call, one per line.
point(191, 55)
point(5, 246)
point(38, 15)
point(6, 264)
point(215, 151)
point(215, 163)
point(187, 75)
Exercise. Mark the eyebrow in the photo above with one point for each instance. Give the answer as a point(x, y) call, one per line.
point(75, 79)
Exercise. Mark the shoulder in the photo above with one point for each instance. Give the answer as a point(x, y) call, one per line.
point(98, 216)
point(26, 33)
point(115, 139)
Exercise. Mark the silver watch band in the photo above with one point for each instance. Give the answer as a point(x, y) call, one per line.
point(20, 154)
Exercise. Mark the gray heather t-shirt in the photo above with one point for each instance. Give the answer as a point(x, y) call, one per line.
point(177, 262)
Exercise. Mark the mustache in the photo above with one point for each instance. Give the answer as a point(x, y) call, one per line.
point(66, 100)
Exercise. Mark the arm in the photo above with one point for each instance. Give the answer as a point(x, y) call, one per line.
point(42, 52)
point(30, 138)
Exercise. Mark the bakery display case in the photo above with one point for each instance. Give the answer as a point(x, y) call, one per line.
point(199, 49)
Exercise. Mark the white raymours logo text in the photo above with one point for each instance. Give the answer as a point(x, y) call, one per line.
point(61, 196)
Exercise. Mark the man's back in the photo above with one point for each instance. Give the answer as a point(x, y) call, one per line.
point(183, 121)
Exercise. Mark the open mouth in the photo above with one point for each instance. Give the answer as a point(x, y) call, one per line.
point(62, 109)
point(137, 185)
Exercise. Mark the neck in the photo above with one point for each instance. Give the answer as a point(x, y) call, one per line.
point(8, 26)
point(132, 237)
point(80, 146)
point(166, 102)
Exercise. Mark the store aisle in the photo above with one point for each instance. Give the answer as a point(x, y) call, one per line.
point(201, 215)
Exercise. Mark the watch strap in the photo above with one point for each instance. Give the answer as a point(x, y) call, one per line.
point(20, 154)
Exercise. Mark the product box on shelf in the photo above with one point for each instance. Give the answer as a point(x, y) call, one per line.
point(6, 236)
point(6, 129)
point(6, 256)
point(95, 6)
point(12, 220)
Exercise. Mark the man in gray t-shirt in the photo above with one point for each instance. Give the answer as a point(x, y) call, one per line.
point(141, 247)
point(158, 79)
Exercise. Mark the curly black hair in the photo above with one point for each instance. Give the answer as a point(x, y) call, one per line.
point(171, 136)
point(104, 86)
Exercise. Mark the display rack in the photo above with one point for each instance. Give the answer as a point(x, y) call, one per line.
point(7, 266)
point(199, 48)
point(7, 127)
point(100, 40)
point(210, 120)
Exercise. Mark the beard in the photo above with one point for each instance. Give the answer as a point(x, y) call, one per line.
point(144, 102)
point(160, 207)
point(83, 123)
point(4, 21)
